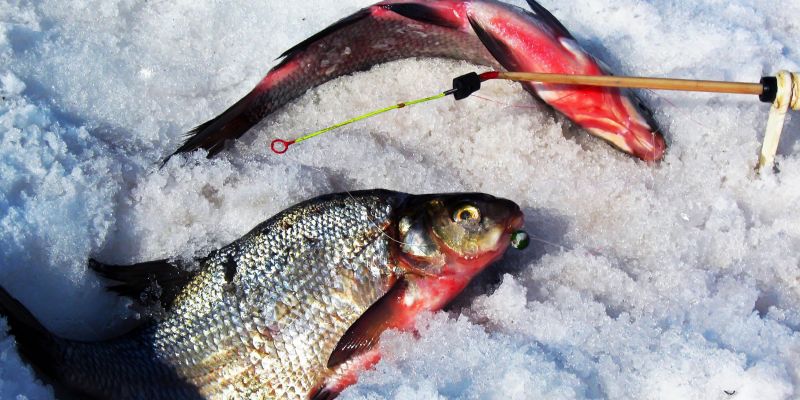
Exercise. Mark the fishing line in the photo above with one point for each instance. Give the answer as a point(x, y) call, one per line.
point(506, 104)
point(689, 117)
point(280, 146)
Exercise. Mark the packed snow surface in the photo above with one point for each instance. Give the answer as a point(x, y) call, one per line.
point(674, 280)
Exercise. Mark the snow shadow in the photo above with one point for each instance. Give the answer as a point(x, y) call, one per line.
point(547, 229)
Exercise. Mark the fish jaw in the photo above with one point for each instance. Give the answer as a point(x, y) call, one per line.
point(528, 43)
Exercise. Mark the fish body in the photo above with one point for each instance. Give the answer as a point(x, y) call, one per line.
point(484, 32)
point(293, 309)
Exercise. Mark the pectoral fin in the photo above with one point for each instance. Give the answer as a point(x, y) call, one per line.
point(388, 312)
point(499, 50)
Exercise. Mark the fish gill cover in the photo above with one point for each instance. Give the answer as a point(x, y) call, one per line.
point(672, 281)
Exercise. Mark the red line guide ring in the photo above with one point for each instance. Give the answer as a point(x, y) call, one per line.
point(280, 146)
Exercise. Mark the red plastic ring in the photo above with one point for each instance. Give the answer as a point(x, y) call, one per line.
point(280, 146)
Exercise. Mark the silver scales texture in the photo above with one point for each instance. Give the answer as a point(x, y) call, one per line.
point(301, 279)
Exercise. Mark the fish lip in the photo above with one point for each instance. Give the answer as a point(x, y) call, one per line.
point(516, 221)
point(651, 145)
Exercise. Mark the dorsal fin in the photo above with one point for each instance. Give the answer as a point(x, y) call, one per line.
point(346, 21)
point(548, 17)
point(423, 13)
point(147, 282)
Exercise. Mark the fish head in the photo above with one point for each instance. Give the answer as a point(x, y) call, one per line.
point(441, 241)
point(623, 120)
point(522, 41)
point(456, 235)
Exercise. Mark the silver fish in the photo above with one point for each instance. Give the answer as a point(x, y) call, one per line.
point(293, 309)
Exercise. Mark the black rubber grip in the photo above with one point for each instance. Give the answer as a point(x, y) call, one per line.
point(770, 91)
point(465, 85)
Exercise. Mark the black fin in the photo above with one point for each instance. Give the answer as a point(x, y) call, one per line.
point(211, 135)
point(146, 282)
point(497, 48)
point(346, 21)
point(34, 342)
point(542, 13)
point(422, 13)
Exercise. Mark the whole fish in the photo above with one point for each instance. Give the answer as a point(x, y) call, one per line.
point(293, 309)
point(483, 32)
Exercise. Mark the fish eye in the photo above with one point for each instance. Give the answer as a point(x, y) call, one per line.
point(467, 213)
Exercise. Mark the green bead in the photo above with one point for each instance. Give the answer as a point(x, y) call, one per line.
point(519, 240)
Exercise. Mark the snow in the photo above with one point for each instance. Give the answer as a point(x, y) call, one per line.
point(676, 280)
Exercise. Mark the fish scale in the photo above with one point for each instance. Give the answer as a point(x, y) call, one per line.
point(297, 288)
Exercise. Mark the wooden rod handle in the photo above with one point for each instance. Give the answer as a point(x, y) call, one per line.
point(637, 83)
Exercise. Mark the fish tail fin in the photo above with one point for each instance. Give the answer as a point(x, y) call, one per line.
point(35, 343)
point(211, 135)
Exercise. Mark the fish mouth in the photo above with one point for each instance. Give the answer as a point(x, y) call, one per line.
point(514, 225)
point(643, 135)
point(516, 222)
point(639, 141)
point(511, 216)
point(648, 145)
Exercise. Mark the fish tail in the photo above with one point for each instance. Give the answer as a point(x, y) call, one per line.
point(35, 343)
point(211, 135)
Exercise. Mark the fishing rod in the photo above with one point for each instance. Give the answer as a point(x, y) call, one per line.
point(782, 90)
